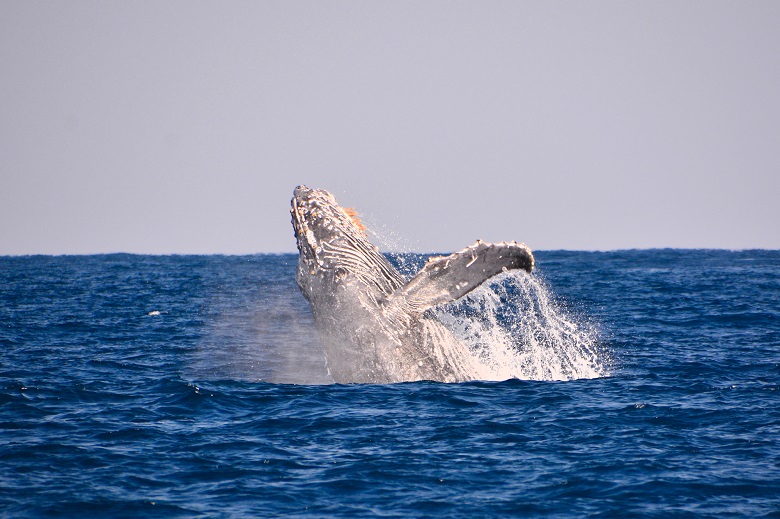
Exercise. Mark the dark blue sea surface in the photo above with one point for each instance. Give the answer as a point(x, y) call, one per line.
point(195, 386)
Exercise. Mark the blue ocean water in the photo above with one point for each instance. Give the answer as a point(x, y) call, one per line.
point(195, 386)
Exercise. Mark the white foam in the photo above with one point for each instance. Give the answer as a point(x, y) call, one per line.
point(516, 330)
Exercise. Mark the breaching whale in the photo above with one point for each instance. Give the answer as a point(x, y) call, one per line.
point(374, 324)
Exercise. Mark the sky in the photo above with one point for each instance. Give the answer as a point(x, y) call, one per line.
point(183, 126)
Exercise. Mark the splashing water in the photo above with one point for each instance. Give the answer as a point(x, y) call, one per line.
point(516, 330)
point(512, 324)
point(389, 240)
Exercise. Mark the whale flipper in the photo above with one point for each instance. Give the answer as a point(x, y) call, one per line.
point(446, 278)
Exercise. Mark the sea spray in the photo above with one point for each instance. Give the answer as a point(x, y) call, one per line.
point(388, 239)
point(516, 329)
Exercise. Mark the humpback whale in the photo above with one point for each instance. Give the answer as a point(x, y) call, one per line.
point(375, 324)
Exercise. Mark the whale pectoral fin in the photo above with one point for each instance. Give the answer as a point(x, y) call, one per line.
point(446, 278)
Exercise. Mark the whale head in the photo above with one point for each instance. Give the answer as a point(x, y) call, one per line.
point(333, 246)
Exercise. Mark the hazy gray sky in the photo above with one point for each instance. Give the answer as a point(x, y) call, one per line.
point(179, 127)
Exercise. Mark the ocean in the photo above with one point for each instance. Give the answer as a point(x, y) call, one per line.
point(626, 383)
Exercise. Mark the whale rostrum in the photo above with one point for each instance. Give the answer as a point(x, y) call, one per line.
point(374, 324)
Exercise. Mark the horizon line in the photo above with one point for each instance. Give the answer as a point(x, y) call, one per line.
point(295, 253)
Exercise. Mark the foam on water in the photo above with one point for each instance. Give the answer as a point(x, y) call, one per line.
point(517, 330)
